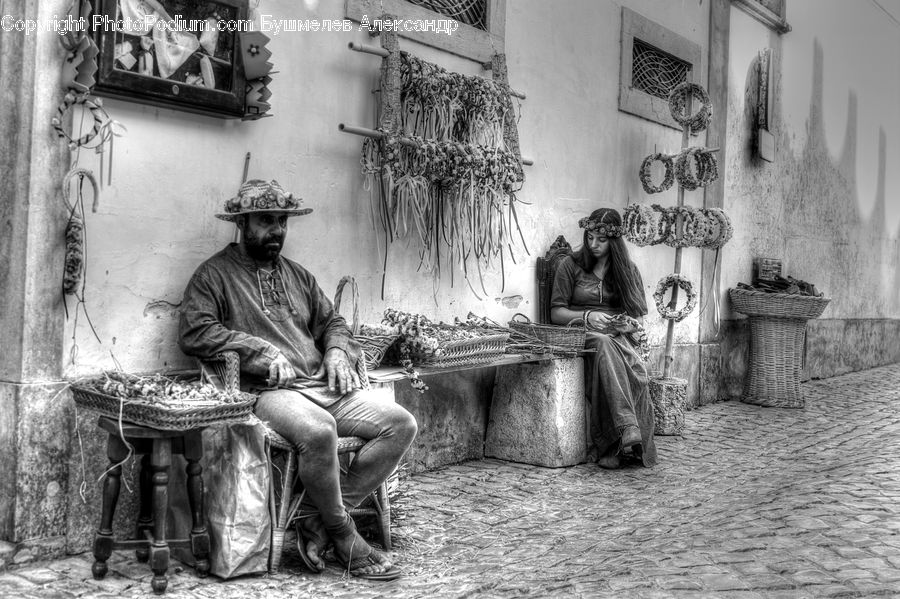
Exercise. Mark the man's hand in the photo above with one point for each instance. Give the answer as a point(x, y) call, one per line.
point(337, 365)
point(281, 373)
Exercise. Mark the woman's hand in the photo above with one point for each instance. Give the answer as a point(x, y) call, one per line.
point(598, 320)
point(337, 365)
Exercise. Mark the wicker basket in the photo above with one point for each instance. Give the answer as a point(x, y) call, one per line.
point(668, 397)
point(465, 352)
point(373, 346)
point(777, 335)
point(160, 415)
point(569, 337)
point(777, 305)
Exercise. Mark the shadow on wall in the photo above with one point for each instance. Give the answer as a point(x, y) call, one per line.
point(822, 229)
point(805, 208)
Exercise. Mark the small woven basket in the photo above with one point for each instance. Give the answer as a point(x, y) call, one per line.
point(373, 346)
point(162, 416)
point(570, 336)
point(465, 352)
point(777, 336)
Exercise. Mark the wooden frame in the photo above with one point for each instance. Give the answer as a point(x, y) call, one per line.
point(770, 13)
point(178, 61)
point(467, 41)
point(636, 101)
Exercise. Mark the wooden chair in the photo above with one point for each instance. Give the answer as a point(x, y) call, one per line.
point(227, 373)
point(546, 272)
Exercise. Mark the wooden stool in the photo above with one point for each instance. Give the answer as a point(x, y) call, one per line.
point(157, 447)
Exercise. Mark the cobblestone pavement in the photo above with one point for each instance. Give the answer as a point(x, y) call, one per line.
point(749, 502)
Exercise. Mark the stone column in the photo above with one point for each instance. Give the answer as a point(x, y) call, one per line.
point(713, 197)
point(35, 416)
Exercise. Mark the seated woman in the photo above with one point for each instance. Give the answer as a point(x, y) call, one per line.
point(602, 287)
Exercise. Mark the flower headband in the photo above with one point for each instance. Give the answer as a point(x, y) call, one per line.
point(600, 228)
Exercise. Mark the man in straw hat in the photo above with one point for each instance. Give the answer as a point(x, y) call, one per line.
point(300, 356)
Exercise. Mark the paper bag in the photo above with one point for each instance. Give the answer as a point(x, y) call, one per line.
point(237, 500)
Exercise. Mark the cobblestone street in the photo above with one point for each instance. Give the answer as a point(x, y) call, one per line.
point(749, 502)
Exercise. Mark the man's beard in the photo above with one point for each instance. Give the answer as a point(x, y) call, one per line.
point(263, 249)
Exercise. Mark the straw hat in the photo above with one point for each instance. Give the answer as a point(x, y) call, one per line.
point(257, 195)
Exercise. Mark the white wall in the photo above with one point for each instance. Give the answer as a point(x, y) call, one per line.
point(173, 170)
point(829, 205)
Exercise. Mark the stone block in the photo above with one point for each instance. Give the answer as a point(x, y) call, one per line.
point(44, 443)
point(824, 338)
point(538, 414)
point(711, 389)
point(734, 357)
point(451, 414)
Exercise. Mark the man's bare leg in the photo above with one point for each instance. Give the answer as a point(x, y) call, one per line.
point(314, 432)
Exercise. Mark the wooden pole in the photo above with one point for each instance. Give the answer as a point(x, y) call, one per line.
point(364, 132)
point(679, 226)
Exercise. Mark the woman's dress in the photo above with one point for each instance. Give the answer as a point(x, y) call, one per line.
point(616, 379)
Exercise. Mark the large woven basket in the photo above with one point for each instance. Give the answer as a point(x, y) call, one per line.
point(465, 352)
point(171, 417)
point(777, 336)
point(569, 337)
point(777, 305)
point(373, 346)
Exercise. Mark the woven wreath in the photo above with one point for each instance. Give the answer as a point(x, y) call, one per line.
point(693, 227)
point(724, 230)
point(600, 228)
point(639, 224)
point(698, 121)
point(668, 178)
point(688, 178)
point(683, 283)
point(98, 114)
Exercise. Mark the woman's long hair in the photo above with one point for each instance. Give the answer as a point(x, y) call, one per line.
point(623, 278)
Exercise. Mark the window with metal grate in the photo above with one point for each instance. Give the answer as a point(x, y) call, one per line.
point(479, 26)
point(470, 12)
point(656, 72)
point(653, 61)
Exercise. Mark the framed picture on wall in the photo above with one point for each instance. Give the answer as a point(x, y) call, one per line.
point(181, 54)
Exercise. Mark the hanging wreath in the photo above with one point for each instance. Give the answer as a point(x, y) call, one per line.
point(724, 230)
point(710, 168)
point(98, 114)
point(694, 227)
point(689, 168)
point(697, 121)
point(640, 224)
point(668, 178)
point(670, 313)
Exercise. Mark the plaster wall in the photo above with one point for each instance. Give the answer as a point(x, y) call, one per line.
point(829, 205)
point(172, 171)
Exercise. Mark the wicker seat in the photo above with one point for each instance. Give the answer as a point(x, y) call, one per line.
point(226, 373)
